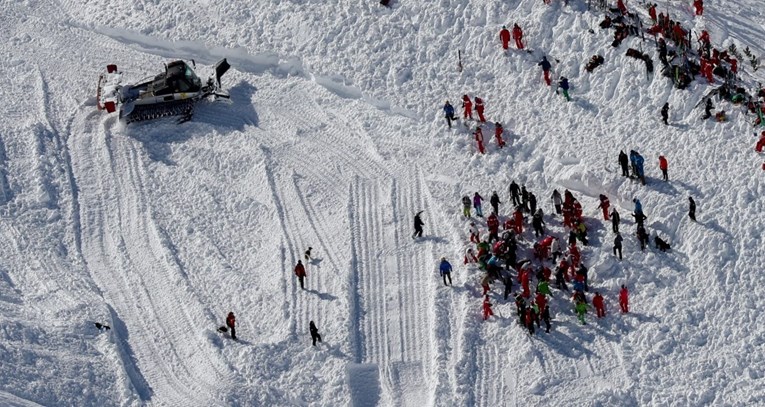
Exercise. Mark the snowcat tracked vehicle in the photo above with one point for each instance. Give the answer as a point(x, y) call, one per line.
point(171, 93)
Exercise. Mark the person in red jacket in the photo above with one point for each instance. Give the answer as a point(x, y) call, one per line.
point(525, 283)
point(663, 167)
point(479, 139)
point(707, 69)
point(487, 312)
point(300, 273)
point(518, 36)
point(622, 8)
point(600, 306)
point(699, 6)
point(504, 36)
point(493, 224)
point(652, 12)
point(760, 143)
point(624, 299)
point(498, 130)
point(604, 204)
point(479, 109)
point(518, 218)
point(467, 107)
point(231, 324)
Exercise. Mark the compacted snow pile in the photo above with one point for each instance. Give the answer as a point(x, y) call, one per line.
point(334, 139)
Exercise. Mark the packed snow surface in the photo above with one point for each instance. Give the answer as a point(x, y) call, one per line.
point(334, 138)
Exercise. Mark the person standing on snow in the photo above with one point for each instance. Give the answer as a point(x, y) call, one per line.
point(615, 221)
point(231, 324)
point(466, 206)
point(315, 336)
point(599, 304)
point(449, 113)
point(604, 204)
point(760, 143)
point(479, 140)
point(557, 201)
point(663, 167)
point(518, 36)
point(479, 109)
point(300, 273)
point(514, 191)
point(545, 64)
point(477, 199)
point(638, 205)
point(624, 162)
point(581, 310)
point(498, 130)
point(487, 312)
point(665, 114)
point(538, 222)
point(624, 299)
point(418, 224)
point(525, 199)
point(307, 254)
point(618, 245)
point(692, 209)
point(546, 318)
point(467, 107)
point(532, 203)
point(504, 36)
point(494, 200)
point(493, 224)
point(446, 270)
point(563, 85)
point(699, 6)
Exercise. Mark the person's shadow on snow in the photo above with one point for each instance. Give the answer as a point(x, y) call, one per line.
point(322, 296)
point(316, 261)
point(434, 239)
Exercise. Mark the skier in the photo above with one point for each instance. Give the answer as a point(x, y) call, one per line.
point(231, 324)
point(494, 200)
point(699, 6)
point(600, 306)
point(446, 270)
point(479, 139)
point(514, 191)
point(615, 221)
point(624, 163)
point(467, 107)
point(418, 224)
point(692, 209)
point(307, 254)
point(518, 36)
point(498, 130)
point(624, 299)
point(663, 167)
point(487, 312)
point(466, 206)
point(449, 113)
point(545, 64)
point(563, 84)
point(557, 201)
point(618, 245)
point(504, 36)
point(477, 199)
point(300, 273)
point(538, 223)
point(604, 204)
point(665, 113)
point(479, 109)
point(581, 309)
point(315, 336)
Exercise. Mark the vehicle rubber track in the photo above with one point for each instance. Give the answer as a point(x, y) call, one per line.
point(183, 108)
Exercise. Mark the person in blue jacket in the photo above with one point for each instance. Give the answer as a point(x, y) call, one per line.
point(446, 270)
point(563, 85)
point(449, 113)
point(545, 64)
point(638, 205)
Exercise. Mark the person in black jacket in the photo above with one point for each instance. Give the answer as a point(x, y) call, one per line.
point(665, 113)
point(546, 318)
point(514, 191)
point(494, 200)
point(624, 162)
point(532, 203)
point(618, 245)
point(692, 209)
point(418, 224)
point(314, 333)
point(615, 221)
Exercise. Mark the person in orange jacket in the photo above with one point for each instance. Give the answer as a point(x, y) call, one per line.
point(504, 36)
point(599, 304)
point(518, 36)
point(624, 299)
point(479, 109)
point(479, 140)
point(231, 324)
point(300, 273)
point(467, 107)
point(487, 312)
point(699, 6)
point(663, 166)
point(498, 130)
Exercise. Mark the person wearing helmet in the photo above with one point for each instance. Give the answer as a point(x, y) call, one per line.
point(446, 270)
point(504, 36)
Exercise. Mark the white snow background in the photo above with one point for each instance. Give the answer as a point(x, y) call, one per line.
point(333, 139)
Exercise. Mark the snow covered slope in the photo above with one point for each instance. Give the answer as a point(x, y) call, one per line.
point(334, 139)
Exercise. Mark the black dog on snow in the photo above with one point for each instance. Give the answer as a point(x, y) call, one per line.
point(661, 244)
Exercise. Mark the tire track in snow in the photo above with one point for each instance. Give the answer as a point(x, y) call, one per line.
point(129, 260)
